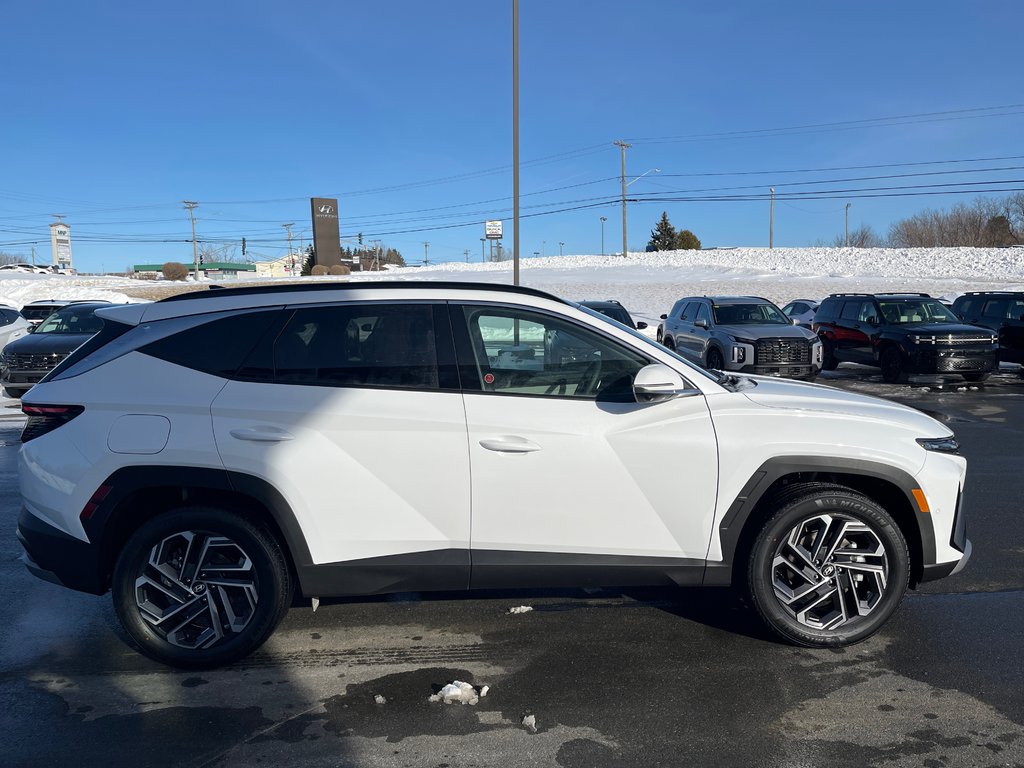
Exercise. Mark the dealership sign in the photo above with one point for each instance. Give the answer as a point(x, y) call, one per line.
point(492, 230)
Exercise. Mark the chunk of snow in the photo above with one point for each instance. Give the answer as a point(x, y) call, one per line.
point(521, 609)
point(380, 699)
point(456, 691)
point(484, 690)
point(530, 723)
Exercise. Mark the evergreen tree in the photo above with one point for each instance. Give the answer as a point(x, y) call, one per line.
point(663, 236)
point(687, 241)
point(309, 261)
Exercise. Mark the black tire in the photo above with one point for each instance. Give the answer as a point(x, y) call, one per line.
point(15, 393)
point(976, 376)
point(715, 360)
point(268, 579)
point(891, 362)
point(828, 356)
point(802, 508)
point(669, 343)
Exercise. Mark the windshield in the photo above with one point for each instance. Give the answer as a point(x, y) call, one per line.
point(652, 343)
point(900, 311)
point(615, 313)
point(748, 314)
point(71, 320)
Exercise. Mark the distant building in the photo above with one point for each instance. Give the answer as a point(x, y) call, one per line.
point(214, 270)
point(286, 266)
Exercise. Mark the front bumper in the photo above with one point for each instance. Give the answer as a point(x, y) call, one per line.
point(786, 371)
point(18, 379)
point(951, 360)
point(54, 556)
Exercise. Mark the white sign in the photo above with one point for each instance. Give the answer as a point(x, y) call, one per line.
point(492, 230)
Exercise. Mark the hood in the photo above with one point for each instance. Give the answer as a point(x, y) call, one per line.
point(800, 396)
point(766, 331)
point(47, 343)
point(933, 329)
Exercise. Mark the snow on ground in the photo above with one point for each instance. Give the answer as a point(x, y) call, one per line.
point(18, 289)
point(649, 283)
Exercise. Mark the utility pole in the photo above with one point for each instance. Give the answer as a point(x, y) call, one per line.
point(466, 254)
point(623, 146)
point(543, 244)
point(483, 255)
point(426, 249)
point(560, 248)
point(848, 224)
point(191, 205)
point(603, 220)
point(515, 147)
point(288, 229)
point(771, 221)
point(33, 255)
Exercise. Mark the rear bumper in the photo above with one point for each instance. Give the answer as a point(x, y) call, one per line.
point(54, 556)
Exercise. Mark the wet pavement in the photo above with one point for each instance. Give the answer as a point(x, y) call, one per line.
point(635, 678)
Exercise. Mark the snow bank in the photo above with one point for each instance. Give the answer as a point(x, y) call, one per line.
point(19, 289)
point(459, 692)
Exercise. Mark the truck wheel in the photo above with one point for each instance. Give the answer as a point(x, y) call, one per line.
point(893, 371)
point(829, 568)
point(715, 361)
point(199, 587)
point(828, 356)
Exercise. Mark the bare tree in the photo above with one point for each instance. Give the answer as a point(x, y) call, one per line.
point(982, 223)
point(861, 237)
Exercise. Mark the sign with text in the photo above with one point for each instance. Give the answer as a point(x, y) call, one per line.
point(326, 235)
point(492, 230)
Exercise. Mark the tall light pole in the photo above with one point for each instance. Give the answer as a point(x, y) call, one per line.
point(848, 224)
point(771, 221)
point(623, 146)
point(191, 205)
point(603, 220)
point(483, 256)
point(291, 255)
point(560, 248)
point(515, 143)
point(426, 253)
point(542, 244)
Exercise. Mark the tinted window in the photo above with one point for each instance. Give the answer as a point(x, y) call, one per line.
point(966, 306)
point(826, 312)
point(8, 316)
point(73, 319)
point(851, 310)
point(899, 311)
point(748, 314)
point(703, 314)
point(371, 345)
point(526, 353)
point(689, 311)
point(615, 313)
point(217, 347)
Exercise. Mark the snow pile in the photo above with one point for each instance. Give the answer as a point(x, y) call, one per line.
point(521, 609)
point(460, 692)
point(19, 289)
point(530, 723)
point(380, 699)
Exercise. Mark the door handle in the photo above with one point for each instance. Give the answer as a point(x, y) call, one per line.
point(509, 444)
point(262, 434)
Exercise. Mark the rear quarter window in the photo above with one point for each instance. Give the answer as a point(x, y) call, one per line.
point(218, 347)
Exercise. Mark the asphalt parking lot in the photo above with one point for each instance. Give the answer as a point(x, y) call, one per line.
point(642, 678)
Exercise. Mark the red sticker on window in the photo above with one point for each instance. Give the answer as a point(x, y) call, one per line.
point(488, 378)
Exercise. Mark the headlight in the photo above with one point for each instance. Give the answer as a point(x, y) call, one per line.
point(739, 354)
point(940, 444)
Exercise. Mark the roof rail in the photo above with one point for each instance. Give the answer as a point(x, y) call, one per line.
point(994, 293)
point(450, 285)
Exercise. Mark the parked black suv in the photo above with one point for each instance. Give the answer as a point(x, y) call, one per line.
point(1000, 311)
point(902, 333)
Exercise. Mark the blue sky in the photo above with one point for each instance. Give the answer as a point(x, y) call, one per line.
point(114, 112)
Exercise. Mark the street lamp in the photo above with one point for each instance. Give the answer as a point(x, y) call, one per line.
point(649, 170)
point(560, 248)
point(603, 220)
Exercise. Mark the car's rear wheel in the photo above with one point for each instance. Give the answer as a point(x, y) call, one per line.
point(828, 568)
point(669, 343)
point(893, 370)
point(199, 587)
point(828, 356)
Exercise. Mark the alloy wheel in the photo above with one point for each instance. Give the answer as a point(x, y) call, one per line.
point(829, 570)
point(197, 589)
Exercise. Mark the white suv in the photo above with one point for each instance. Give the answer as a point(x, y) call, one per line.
point(205, 456)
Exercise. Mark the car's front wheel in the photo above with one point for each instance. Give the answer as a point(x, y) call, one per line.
point(893, 369)
point(828, 568)
point(715, 360)
point(200, 587)
point(975, 376)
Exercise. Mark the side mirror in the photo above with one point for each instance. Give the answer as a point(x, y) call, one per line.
point(641, 325)
point(664, 317)
point(657, 382)
point(795, 321)
point(873, 320)
point(700, 322)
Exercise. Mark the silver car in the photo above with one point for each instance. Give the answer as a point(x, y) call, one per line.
point(741, 333)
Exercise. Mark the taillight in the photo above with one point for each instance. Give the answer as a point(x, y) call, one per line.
point(46, 418)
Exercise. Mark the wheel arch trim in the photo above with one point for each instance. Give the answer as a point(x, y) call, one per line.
point(733, 526)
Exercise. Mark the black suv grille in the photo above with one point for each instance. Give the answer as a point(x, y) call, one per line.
point(782, 351)
point(22, 362)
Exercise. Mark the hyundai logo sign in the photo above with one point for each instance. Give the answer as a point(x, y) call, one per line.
point(326, 210)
